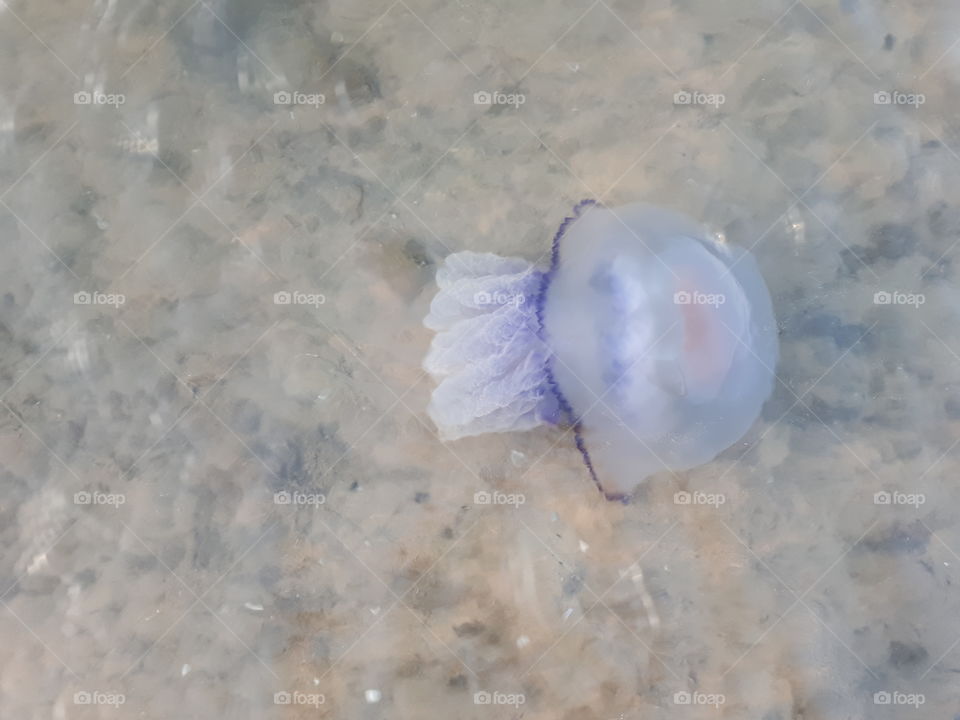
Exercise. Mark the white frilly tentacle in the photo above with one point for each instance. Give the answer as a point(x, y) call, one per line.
point(487, 355)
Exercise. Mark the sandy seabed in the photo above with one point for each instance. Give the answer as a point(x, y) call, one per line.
point(220, 494)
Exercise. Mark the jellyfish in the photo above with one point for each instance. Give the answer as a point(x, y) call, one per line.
point(653, 340)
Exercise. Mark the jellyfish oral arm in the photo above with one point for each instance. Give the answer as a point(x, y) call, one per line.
point(487, 356)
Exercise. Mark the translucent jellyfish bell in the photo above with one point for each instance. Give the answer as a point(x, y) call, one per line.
point(655, 342)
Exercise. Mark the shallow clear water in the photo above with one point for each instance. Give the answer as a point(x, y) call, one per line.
point(220, 222)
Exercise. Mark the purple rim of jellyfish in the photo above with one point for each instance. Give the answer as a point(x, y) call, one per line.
point(565, 407)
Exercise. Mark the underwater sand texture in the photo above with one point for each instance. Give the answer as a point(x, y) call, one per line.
point(220, 493)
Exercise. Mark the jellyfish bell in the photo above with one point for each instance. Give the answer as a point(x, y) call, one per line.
point(656, 343)
point(664, 341)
